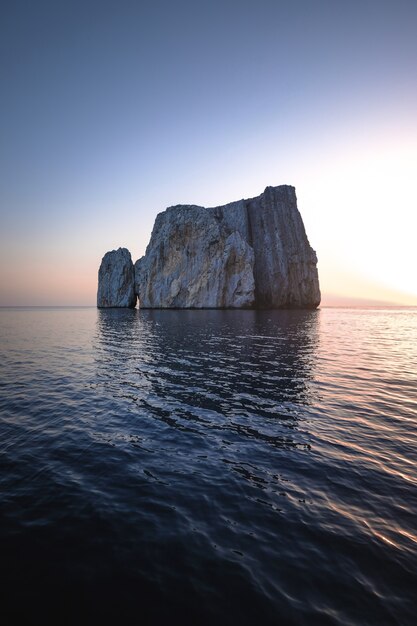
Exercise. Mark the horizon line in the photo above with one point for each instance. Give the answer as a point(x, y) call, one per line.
point(364, 305)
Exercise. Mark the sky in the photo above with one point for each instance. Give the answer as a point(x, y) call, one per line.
point(111, 111)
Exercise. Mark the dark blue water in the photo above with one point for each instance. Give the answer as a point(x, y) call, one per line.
point(208, 467)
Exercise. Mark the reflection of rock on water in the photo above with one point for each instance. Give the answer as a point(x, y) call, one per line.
point(211, 369)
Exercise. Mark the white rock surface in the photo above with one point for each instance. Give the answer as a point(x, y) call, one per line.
point(194, 261)
point(250, 253)
point(116, 280)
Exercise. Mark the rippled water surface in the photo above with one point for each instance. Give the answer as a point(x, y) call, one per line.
point(208, 467)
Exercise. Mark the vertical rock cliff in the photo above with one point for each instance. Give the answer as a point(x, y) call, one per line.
point(116, 280)
point(194, 260)
point(247, 254)
point(285, 268)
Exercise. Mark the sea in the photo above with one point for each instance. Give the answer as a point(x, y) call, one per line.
point(208, 467)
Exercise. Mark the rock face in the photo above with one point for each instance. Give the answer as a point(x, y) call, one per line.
point(116, 280)
point(194, 260)
point(247, 254)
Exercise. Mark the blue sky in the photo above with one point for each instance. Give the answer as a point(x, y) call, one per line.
point(112, 111)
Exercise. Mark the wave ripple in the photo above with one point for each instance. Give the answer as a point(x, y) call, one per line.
point(233, 467)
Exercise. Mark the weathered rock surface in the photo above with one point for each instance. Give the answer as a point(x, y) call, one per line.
point(116, 280)
point(285, 264)
point(194, 260)
point(249, 253)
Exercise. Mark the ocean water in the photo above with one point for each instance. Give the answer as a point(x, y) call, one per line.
point(208, 467)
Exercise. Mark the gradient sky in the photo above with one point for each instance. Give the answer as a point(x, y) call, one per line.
point(113, 110)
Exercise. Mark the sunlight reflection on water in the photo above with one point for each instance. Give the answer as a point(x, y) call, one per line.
point(248, 464)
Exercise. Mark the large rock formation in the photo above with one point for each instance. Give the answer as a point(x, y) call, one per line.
point(194, 260)
point(247, 254)
point(116, 280)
